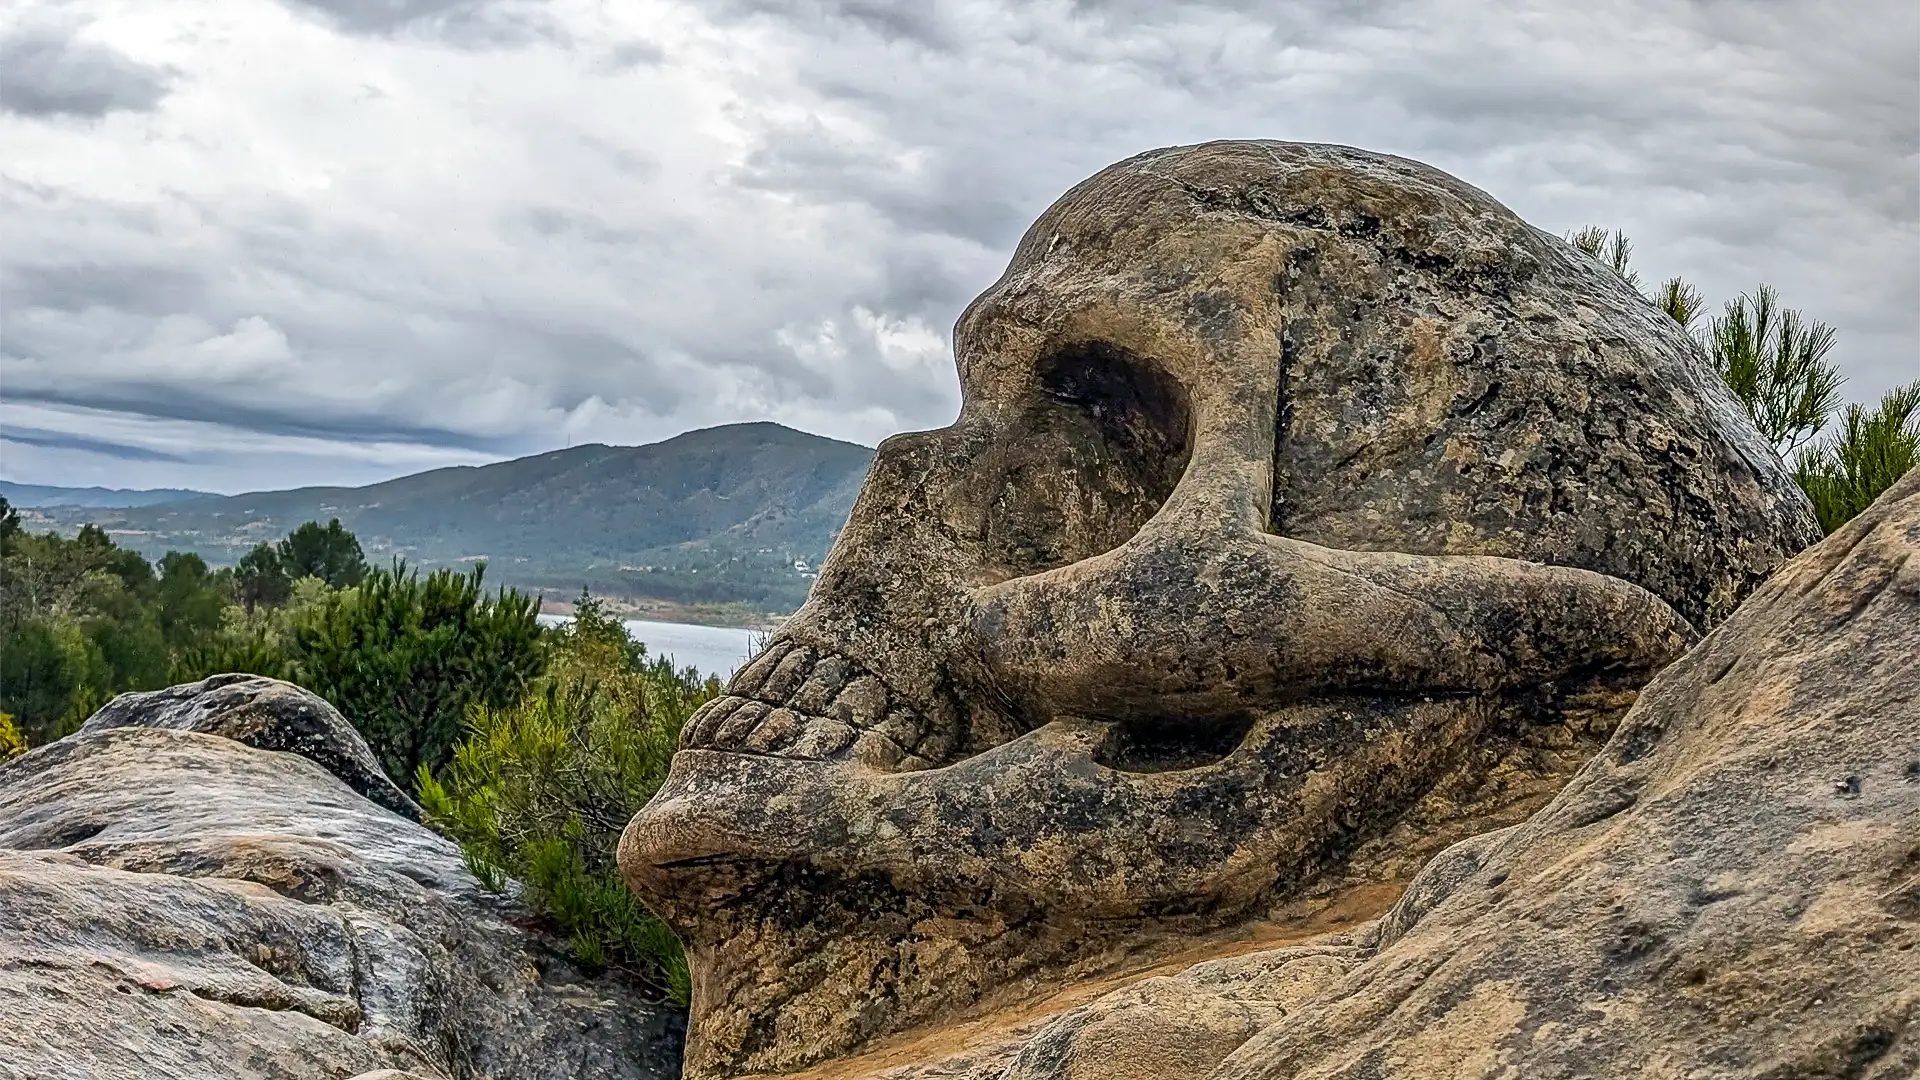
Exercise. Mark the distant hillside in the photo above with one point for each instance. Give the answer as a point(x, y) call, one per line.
point(712, 516)
point(38, 495)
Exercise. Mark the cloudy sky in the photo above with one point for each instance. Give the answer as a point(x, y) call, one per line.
point(258, 243)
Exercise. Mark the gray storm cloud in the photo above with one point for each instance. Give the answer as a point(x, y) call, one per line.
point(253, 244)
point(48, 70)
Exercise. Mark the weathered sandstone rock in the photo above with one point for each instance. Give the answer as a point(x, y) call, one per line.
point(176, 904)
point(1306, 511)
point(1731, 889)
point(266, 714)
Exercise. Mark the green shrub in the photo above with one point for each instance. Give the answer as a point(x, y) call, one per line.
point(1870, 451)
point(540, 791)
point(405, 658)
point(1613, 249)
point(1680, 300)
point(256, 652)
point(258, 640)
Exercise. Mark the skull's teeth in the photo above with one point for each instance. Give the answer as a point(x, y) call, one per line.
point(754, 675)
point(779, 731)
point(875, 749)
point(791, 701)
point(823, 739)
point(705, 723)
point(816, 695)
point(862, 704)
point(787, 678)
point(742, 723)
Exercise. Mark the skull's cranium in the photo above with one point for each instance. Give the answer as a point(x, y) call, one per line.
point(1285, 475)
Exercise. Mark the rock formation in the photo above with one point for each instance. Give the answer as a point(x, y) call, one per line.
point(196, 886)
point(1731, 889)
point(1306, 511)
point(266, 714)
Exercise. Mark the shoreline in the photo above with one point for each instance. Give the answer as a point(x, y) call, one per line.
point(728, 616)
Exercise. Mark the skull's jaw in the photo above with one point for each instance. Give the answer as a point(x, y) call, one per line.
point(826, 904)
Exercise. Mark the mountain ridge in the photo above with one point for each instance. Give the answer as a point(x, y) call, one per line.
point(715, 515)
point(35, 496)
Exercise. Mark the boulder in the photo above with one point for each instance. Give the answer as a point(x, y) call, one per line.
point(266, 714)
point(1307, 511)
point(177, 902)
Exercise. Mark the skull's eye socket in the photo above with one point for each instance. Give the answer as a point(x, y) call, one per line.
point(1091, 455)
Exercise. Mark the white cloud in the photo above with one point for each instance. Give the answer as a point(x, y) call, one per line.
point(458, 229)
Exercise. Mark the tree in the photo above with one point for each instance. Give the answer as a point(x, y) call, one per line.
point(405, 658)
point(331, 554)
point(82, 619)
point(80, 625)
point(1775, 362)
point(260, 579)
point(133, 649)
point(1870, 452)
point(36, 681)
point(97, 551)
point(189, 599)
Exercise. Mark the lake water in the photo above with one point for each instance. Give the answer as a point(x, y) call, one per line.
point(715, 650)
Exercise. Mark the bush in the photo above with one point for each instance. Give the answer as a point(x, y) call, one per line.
point(257, 652)
point(1869, 452)
point(12, 743)
point(540, 791)
point(259, 640)
point(405, 658)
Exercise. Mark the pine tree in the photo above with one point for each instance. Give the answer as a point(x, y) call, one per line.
point(1871, 451)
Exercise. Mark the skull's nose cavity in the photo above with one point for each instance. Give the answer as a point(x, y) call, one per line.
point(1089, 459)
point(1171, 744)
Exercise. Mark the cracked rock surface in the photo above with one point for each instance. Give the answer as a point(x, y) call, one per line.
point(179, 904)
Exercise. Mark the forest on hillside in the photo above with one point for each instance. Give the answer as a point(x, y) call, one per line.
point(716, 516)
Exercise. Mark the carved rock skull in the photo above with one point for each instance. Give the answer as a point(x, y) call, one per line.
point(1286, 475)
